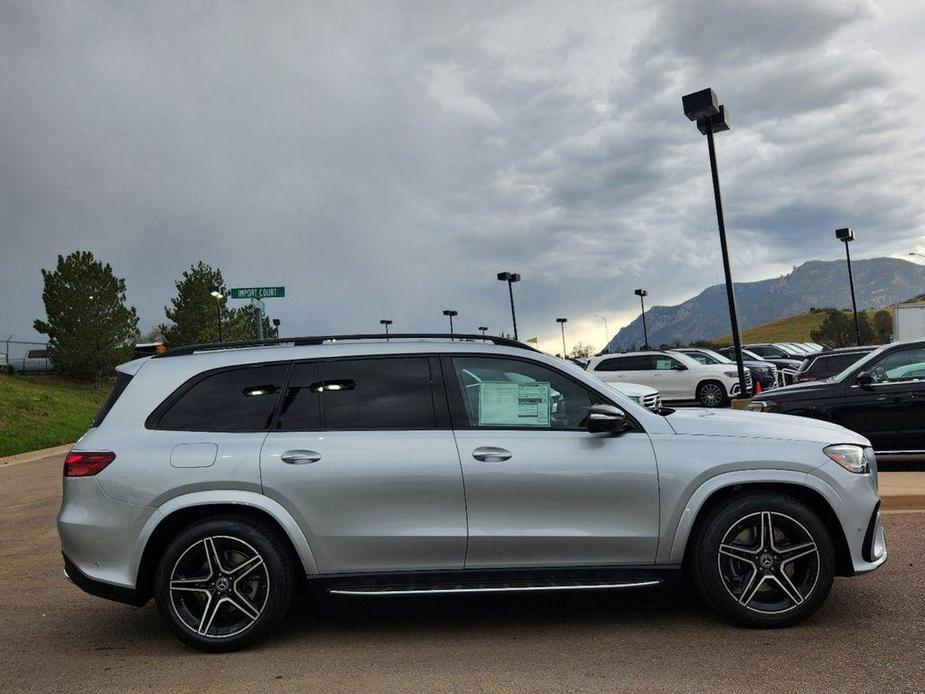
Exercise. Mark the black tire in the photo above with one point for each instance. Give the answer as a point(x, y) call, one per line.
point(250, 591)
point(728, 571)
point(711, 394)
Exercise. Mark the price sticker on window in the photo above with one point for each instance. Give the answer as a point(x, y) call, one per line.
point(502, 403)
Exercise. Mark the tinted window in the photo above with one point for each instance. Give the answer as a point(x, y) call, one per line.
point(834, 364)
point(635, 363)
point(38, 354)
point(122, 381)
point(300, 409)
point(376, 394)
point(772, 352)
point(513, 394)
point(234, 400)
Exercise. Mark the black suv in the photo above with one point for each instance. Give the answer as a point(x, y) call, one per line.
point(882, 396)
point(823, 365)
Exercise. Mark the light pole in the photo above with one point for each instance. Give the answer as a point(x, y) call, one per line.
point(219, 294)
point(450, 313)
point(704, 108)
point(606, 331)
point(847, 236)
point(386, 322)
point(483, 329)
point(276, 323)
point(642, 293)
point(510, 278)
point(562, 322)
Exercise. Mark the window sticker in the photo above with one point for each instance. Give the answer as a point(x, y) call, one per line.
point(502, 403)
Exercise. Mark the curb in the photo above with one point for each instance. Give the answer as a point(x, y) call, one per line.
point(904, 502)
point(29, 456)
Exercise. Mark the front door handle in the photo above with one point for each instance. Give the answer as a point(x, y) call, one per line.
point(491, 454)
point(300, 457)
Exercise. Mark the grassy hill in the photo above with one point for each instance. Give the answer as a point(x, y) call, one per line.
point(790, 329)
point(44, 411)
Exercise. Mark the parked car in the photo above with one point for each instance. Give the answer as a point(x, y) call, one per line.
point(763, 373)
point(220, 480)
point(677, 377)
point(818, 367)
point(4, 366)
point(35, 361)
point(786, 367)
point(645, 395)
point(881, 396)
point(777, 350)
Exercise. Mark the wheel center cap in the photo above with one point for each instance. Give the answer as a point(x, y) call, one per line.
point(222, 583)
point(766, 561)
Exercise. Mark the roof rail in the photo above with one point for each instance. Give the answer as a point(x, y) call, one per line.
point(321, 339)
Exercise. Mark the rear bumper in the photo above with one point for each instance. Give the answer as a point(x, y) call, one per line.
point(100, 589)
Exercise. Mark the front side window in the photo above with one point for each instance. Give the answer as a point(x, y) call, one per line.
point(386, 393)
point(663, 363)
point(514, 394)
point(905, 365)
point(242, 399)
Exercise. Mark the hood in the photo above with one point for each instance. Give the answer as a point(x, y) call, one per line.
point(804, 389)
point(761, 425)
point(633, 390)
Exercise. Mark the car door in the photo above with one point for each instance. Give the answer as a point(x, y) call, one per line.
point(363, 456)
point(890, 410)
point(540, 489)
point(671, 377)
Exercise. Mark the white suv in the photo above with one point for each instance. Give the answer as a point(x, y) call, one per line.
point(675, 375)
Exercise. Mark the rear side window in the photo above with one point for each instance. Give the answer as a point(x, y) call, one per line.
point(834, 364)
point(122, 381)
point(640, 362)
point(389, 393)
point(241, 399)
point(300, 409)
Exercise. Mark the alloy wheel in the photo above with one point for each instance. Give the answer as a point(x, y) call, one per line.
point(219, 586)
point(768, 562)
point(711, 394)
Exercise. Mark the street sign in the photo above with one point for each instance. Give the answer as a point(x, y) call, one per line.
point(256, 292)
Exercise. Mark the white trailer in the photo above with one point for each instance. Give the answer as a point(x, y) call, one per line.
point(909, 322)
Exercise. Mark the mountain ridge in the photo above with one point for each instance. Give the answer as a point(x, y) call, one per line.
point(878, 282)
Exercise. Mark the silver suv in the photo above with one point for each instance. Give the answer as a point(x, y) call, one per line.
point(221, 479)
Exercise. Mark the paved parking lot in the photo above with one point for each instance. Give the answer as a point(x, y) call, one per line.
point(868, 637)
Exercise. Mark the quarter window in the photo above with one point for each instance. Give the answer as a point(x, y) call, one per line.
point(234, 400)
point(513, 394)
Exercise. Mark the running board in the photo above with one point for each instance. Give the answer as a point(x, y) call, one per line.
point(489, 588)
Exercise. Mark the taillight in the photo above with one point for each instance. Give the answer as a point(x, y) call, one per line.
point(85, 463)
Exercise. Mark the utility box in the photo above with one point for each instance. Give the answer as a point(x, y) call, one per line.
point(909, 322)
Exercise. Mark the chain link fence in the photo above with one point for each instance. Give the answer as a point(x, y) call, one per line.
point(24, 356)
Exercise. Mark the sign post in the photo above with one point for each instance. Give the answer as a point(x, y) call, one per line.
point(256, 296)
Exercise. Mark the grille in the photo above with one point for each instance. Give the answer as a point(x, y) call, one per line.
point(653, 402)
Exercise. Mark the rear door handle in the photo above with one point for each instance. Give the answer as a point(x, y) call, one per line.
point(491, 454)
point(300, 457)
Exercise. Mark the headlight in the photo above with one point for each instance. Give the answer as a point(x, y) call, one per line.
point(731, 374)
point(637, 398)
point(852, 458)
point(761, 405)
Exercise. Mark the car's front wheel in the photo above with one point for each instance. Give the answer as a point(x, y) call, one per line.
point(711, 394)
point(764, 560)
point(223, 582)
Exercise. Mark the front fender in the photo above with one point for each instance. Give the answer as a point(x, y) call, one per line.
point(673, 553)
point(227, 497)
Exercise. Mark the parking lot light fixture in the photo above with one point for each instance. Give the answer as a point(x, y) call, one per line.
point(276, 323)
point(846, 235)
point(562, 322)
point(642, 294)
point(219, 294)
point(483, 329)
point(711, 117)
point(510, 278)
point(449, 313)
point(606, 331)
point(385, 322)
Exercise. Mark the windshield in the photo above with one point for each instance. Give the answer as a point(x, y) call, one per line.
point(859, 365)
point(719, 358)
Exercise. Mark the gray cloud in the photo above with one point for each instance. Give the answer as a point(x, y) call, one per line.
point(384, 159)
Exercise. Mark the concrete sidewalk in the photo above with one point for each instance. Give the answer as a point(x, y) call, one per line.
point(901, 491)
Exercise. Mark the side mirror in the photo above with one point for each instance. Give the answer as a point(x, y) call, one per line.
point(864, 379)
point(679, 367)
point(606, 419)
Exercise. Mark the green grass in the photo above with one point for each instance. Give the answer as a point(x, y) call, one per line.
point(44, 411)
point(790, 329)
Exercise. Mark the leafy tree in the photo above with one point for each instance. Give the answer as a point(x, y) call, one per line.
point(837, 329)
point(883, 326)
point(89, 327)
point(582, 350)
point(194, 312)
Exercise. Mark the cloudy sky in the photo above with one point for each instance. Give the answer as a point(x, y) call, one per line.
point(387, 159)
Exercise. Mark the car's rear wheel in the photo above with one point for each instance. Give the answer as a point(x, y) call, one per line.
point(711, 394)
point(223, 582)
point(764, 560)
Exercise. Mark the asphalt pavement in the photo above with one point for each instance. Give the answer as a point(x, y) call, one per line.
point(868, 637)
